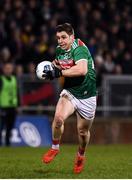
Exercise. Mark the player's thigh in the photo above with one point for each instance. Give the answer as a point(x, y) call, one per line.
point(64, 108)
point(82, 123)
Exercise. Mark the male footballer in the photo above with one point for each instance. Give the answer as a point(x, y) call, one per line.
point(74, 62)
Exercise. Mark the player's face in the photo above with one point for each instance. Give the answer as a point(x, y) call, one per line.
point(64, 40)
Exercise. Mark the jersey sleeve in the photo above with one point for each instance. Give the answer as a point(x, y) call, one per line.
point(81, 52)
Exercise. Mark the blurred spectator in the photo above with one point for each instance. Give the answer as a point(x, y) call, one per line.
point(19, 71)
point(99, 64)
point(31, 68)
point(118, 69)
point(5, 55)
point(127, 63)
point(8, 101)
point(31, 71)
point(92, 45)
point(109, 65)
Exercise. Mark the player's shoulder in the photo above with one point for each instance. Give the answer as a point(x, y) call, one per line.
point(78, 44)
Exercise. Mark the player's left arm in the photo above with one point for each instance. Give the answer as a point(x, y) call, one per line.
point(79, 69)
point(80, 55)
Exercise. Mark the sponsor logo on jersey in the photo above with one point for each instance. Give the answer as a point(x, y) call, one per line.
point(66, 63)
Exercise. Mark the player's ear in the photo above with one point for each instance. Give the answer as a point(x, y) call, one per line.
point(72, 37)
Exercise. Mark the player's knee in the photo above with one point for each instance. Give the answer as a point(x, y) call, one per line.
point(58, 124)
point(58, 121)
point(82, 132)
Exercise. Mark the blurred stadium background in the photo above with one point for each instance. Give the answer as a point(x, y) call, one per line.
point(27, 38)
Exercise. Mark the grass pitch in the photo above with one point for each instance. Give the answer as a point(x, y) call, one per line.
point(105, 161)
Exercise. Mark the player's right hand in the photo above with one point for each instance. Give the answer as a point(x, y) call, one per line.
point(51, 74)
point(48, 75)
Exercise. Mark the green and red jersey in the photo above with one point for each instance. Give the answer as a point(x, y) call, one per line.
point(83, 86)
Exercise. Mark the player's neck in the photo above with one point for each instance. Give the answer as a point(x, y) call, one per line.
point(69, 48)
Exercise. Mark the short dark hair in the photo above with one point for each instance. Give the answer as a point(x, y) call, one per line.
point(65, 27)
